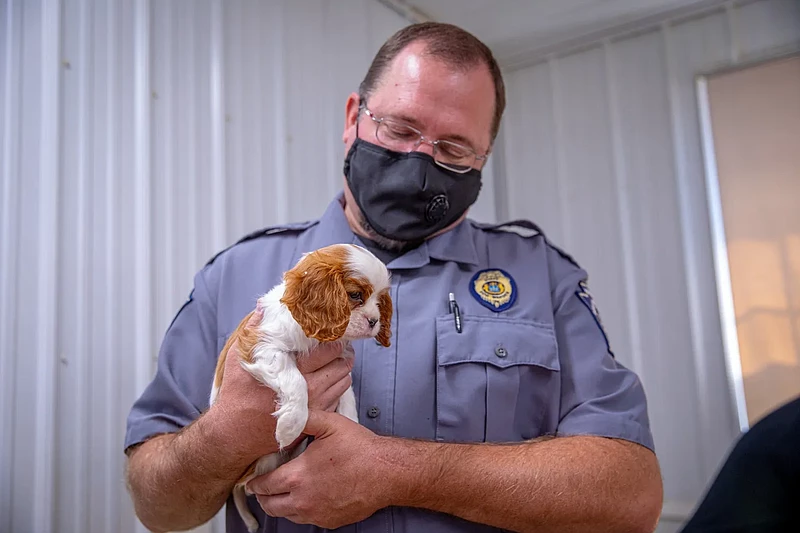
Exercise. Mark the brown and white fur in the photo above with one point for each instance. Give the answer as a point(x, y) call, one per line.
point(338, 293)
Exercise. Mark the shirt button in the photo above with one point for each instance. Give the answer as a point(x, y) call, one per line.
point(500, 351)
point(373, 412)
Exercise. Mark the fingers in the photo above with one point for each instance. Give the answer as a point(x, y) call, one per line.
point(331, 373)
point(319, 357)
point(321, 381)
point(272, 483)
point(320, 424)
point(328, 399)
point(276, 506)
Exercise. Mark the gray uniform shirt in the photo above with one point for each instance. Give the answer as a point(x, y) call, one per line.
point(531, 357)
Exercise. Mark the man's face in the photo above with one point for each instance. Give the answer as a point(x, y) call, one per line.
point(440, 101)
point(435, 98)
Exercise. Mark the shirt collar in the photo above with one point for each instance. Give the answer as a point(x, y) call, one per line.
point(457, 245)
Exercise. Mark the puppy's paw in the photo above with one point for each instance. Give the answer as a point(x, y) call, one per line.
point(291, 421)
point(347, 405)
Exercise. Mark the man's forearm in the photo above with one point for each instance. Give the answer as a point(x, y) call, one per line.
point(569, 484)
point(179, 481)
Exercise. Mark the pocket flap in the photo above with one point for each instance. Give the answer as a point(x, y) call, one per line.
point(501, 342)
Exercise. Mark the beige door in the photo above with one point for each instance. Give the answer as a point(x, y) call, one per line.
point(755, 123)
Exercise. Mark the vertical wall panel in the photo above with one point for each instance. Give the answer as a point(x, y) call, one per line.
point(233, 109)
point(691, 48)
point(46, 342)
point(265, 125)
point(162, 171)
point(602, 146)
point(351, 69)
point(35, 303)
point(137, 139)
point(202, 204)
point(590, 217)
point(306, 143)
point(530, 150)
point(10, 57)
point(100, 383)
point(649, 197)
point(381, 23)
point(71, 506)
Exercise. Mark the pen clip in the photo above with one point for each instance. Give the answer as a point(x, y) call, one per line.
point(455, 311)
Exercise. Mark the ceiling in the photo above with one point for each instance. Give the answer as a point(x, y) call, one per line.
point(516, 30)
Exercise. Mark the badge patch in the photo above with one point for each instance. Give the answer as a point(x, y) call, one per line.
point(494, 289)
point(585, 296)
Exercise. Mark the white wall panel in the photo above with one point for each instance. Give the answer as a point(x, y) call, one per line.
point(692, 48)
point(601, 146)
point(137, 139)
point(587, 181)
point(531, 161)
point(656, 282)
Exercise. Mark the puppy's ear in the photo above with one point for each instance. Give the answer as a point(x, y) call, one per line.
point(316, 296)
point(385, 307)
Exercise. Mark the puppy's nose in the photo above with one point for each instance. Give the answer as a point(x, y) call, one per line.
point(372, 322)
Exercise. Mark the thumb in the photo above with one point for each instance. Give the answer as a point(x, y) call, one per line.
point(320, 423)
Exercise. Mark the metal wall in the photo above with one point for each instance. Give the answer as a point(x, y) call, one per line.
point(602, 148)
point(138, 138)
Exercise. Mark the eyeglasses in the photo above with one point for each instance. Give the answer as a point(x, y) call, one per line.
point(401, 137)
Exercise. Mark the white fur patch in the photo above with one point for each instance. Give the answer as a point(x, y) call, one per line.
point(365, 263)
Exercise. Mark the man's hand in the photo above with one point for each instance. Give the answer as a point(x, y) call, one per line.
point(180, 480)
point(244, 406)
point(327, 372)
point(570, 484)
point(332, 483)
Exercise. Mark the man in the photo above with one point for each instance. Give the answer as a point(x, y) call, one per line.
point(506, 410)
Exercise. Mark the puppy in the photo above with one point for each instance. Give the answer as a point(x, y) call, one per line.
point(338, 293)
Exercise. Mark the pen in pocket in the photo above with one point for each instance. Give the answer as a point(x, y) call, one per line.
point(455, 311)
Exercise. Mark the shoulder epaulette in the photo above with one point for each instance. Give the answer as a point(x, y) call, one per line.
point(526, 229)
point(265, 232)
point(523, 228)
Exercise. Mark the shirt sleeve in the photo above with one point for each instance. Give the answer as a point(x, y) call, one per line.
point(180, 390)
point(599, 396)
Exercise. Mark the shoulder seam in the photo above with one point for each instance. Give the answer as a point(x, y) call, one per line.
point(527, 225)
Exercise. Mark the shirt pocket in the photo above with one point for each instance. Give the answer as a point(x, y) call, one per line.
point(496, 381)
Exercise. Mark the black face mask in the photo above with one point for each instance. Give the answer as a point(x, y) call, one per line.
point(407, 196)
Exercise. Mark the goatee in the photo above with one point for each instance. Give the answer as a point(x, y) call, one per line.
point(387, 244)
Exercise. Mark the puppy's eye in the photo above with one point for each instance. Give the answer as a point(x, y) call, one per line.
point(355, 296)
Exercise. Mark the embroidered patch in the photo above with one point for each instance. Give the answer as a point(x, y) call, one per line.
point(495, 289)
point(585, 296)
